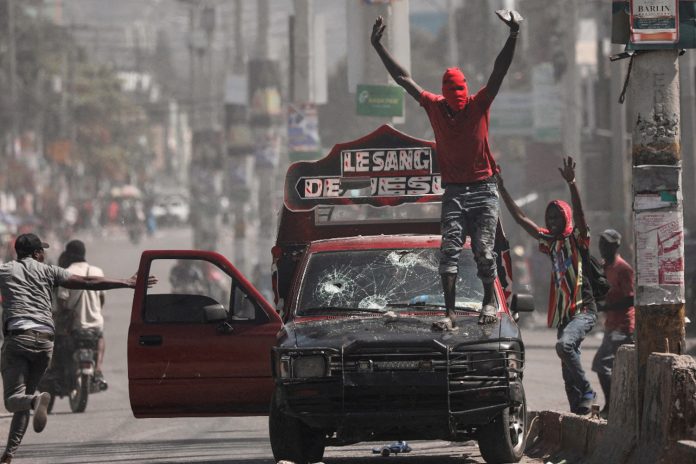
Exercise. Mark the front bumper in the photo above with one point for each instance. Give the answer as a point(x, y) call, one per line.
point(377, 393)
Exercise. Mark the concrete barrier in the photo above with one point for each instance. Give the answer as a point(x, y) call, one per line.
point(669, 407)
point(667, 420)
point(563, 435)
point(618, 442)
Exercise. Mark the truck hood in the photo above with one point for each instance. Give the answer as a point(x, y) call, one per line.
point(337, 332)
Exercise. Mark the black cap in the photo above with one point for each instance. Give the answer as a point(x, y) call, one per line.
point(611, 236)
point(28, 243)
point(76, 249)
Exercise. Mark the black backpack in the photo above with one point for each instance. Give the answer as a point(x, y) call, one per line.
point(598, 279)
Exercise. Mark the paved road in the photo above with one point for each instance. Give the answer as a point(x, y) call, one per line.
point(108, 433)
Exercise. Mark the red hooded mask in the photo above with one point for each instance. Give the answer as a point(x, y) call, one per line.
point(567, 213)
point(454, 88)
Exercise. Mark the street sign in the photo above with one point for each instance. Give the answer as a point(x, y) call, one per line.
point(547, 101)
point(654, 21)
point(512, 114)
point(380, 100)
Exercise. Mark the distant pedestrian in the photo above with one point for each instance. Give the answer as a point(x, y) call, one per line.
point(620, 321)
point(26, 285)
point(572, 307)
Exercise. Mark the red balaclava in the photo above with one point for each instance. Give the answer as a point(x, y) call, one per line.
point(567, 212)
point(456, 98)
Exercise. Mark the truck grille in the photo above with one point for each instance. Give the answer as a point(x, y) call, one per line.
point(423, 379)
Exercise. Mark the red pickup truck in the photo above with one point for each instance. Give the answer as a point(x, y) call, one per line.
point(347, 353)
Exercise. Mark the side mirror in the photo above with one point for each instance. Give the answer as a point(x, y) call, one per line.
point(522, 303)
point(215, 313)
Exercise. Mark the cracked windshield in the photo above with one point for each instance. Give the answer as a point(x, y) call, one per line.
point(383, 280)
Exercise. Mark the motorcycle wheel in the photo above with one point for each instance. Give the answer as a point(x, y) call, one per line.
point(80, 394)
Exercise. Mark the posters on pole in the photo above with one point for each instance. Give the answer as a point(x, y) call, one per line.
point(654, 21)
point(265, 104)
point(267, 147)
point(659, 239)
point(303, 132)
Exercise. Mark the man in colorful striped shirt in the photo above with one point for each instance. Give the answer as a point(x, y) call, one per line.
point(572, 308)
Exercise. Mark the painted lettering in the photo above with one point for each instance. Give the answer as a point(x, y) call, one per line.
point(405, 160)
point(313, 188)
point(392, 164)
point(363, 161)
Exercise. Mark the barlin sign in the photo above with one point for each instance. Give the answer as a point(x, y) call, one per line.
point(654, 21)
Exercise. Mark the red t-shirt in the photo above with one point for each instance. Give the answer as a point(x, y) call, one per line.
point(620, 277)
point(462, 141)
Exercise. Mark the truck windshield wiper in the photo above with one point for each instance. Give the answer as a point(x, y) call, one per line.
point(321, 309)
point(420, 304)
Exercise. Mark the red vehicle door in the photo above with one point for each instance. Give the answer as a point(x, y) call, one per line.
point(200, 340)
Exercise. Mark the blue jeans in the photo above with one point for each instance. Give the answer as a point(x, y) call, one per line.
point(569, 338)
point(469, 210)
point(24, 361)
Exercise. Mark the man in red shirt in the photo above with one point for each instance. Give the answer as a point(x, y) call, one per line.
point(470, 202)
point(620, 321)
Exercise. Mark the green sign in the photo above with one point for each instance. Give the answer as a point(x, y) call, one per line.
point(380, 100)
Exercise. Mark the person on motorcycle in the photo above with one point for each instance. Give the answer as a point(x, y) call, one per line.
point(84, 307)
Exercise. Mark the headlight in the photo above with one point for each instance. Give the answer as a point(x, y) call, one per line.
point(309, 366)
point(297, 366)
point(487, 363)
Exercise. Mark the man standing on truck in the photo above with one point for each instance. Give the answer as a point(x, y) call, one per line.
point(470, 201)
point(572, 307)
point(26, 285)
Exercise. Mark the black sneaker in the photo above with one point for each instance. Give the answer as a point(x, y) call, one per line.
point(5, 459)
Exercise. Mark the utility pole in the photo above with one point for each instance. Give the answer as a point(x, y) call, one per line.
point(657, 207)
point(206, 144)
point(452, 44)
point(12, 78)
point(688, 129)
point(621, 195)
point(266, 111)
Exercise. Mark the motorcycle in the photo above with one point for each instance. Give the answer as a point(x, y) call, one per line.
point(72, 373)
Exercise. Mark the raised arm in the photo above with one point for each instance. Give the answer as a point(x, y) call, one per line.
point(517, 214)
point(397, 72)
point(568, 173)
point(77, 282)
point(502, 62)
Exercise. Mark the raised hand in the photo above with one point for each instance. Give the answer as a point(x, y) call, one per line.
point(568, 170)
point(511, 18)
point(377, 31)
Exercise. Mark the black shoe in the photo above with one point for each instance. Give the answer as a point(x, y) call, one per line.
point(6, 459)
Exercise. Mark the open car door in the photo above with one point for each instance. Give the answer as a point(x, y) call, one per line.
point(199, 341)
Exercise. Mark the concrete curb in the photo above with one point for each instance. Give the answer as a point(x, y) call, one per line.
point(552, 433)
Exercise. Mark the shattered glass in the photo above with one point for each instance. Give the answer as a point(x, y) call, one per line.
point(384, 280)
